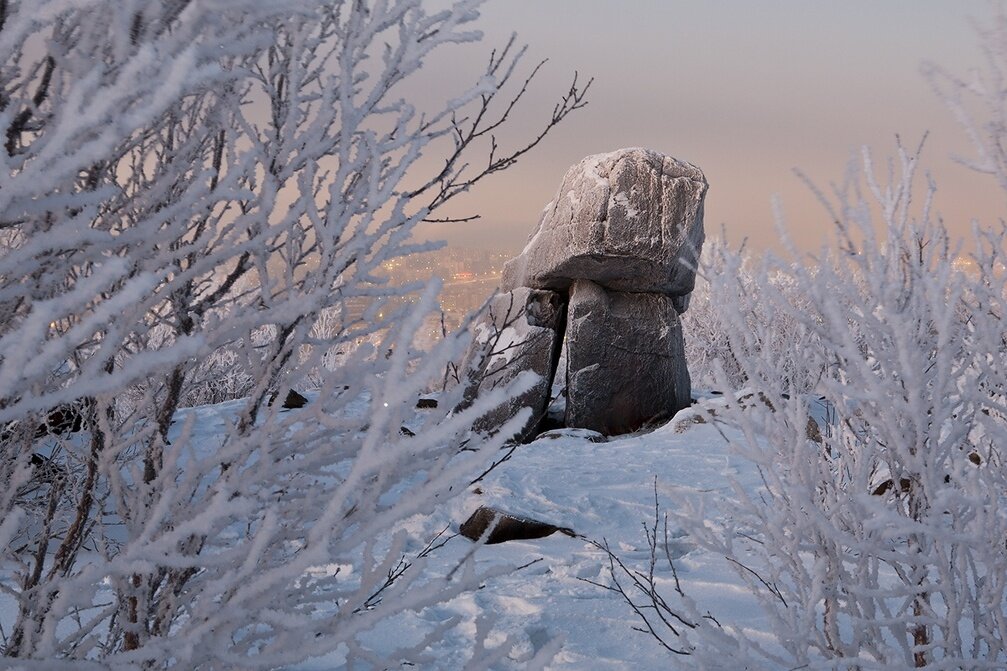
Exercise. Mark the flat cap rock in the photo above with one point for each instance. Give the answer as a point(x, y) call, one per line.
point(624, 220)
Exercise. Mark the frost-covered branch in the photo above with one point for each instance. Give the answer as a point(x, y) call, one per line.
point(875, 541)
point(197, 197)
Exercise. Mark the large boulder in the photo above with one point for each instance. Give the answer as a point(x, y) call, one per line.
point(631, 220)
point(626, 360)
point(520, 330)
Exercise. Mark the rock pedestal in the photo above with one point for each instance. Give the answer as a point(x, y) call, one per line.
point(620, 240)
point(626, 360)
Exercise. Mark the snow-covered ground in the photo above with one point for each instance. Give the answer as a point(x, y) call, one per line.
point(603, 491)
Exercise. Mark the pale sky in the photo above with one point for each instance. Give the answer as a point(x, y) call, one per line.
point(747, 90)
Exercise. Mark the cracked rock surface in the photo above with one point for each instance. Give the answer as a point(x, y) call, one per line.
point(521, 330)
point(626, 360)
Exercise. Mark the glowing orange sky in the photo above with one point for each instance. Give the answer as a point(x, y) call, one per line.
point(746, 90)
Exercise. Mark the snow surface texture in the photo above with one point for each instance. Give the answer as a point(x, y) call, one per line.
point(602, 492)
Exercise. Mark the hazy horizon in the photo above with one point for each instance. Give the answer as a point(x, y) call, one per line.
point(746, 91)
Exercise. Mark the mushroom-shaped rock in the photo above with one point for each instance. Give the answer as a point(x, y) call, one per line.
point(520, 330)
point(626, 360)
point(630, 220)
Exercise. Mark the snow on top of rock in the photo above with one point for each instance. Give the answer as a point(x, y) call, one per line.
point(599, 166)
point(590, 166)
point(621, 199)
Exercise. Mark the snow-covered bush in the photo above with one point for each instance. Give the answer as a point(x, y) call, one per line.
point(879, 541)
point(194, 179)
point(712, 335)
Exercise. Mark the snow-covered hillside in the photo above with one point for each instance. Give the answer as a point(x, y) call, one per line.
point(605, 492)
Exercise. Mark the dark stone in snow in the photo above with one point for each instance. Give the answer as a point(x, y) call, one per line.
point(426, 403)
point(65, 419)
point(293, 400)
point(506, 527)
point(611, 266)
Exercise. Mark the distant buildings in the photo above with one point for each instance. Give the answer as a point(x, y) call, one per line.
point(469, 277)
